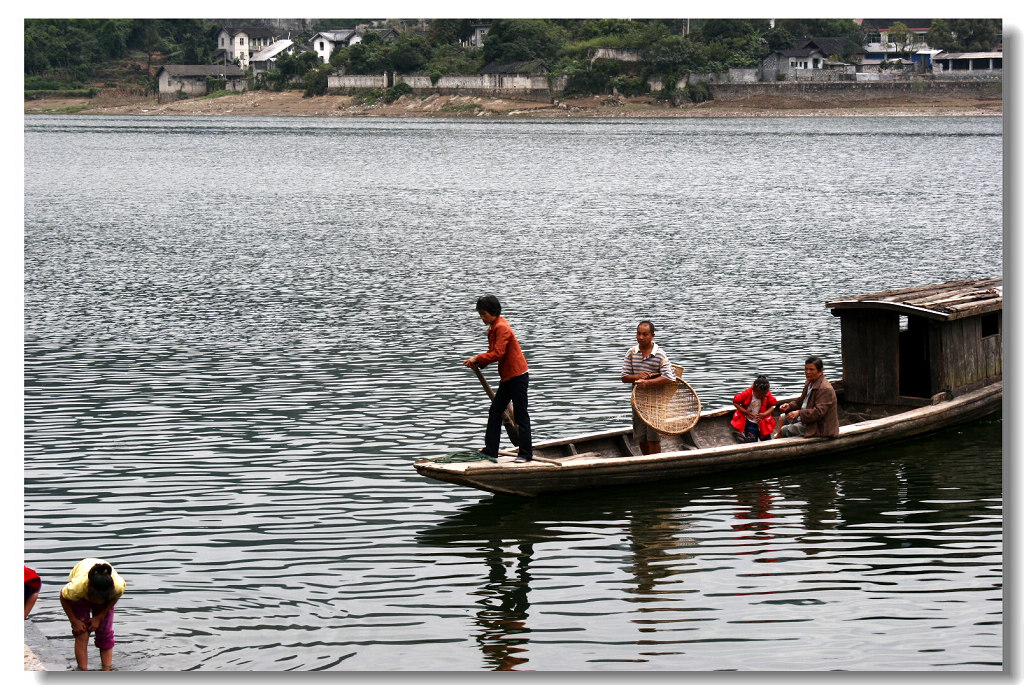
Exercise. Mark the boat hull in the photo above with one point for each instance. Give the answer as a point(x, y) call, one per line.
point(584, 472)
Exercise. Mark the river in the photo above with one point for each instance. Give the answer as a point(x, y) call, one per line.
point(241, 332)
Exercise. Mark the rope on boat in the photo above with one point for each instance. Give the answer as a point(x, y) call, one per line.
point(463, 455)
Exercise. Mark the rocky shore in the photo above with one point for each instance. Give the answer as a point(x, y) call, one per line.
point(292, 103)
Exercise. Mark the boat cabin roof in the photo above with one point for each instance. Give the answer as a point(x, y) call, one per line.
point(943, 302)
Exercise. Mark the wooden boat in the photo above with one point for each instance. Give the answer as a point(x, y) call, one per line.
point(915, 361)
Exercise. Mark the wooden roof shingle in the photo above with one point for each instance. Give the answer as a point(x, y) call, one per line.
point(943, 301)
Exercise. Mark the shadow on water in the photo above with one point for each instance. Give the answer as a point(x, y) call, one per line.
point(863, 491)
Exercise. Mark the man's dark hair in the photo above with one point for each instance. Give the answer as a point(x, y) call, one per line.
point(489, 304)
point(648, 323)
point(816, 361)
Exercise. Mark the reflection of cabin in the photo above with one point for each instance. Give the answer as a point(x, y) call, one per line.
point(905, 346)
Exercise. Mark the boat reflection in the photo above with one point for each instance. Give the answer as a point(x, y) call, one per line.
point(669, 538)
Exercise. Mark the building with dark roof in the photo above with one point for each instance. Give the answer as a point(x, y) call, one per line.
point(175, 80)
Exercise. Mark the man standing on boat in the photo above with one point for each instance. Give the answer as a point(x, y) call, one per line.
point(816, 413)
point(646, 364)
point(503, 347)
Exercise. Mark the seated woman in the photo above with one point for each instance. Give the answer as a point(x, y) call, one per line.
point(753, 418)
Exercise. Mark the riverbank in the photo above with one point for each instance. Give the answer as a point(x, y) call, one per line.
point(292, 103)
point(32, 662)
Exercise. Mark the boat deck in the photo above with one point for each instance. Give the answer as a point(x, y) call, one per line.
point(713, 430)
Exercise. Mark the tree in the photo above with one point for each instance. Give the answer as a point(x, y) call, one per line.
point(455, 59)
point(371, 55)
point(450, 31)
point(940, 36)
point(675, 55)
point(901, 36)
point(522, 40)
point(822, 28)
point(964, 35)
point(778, 39)
point(410, 53)
point(719, 29)
point(296, 65)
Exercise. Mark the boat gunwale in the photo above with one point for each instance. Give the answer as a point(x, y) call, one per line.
point(850, 436)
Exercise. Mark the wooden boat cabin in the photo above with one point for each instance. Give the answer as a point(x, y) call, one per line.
point(905, 347)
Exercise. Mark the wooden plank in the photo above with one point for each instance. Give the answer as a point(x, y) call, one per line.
point(954, 299)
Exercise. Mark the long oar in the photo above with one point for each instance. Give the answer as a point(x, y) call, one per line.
point(506, 417)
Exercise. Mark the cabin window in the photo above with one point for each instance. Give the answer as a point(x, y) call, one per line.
point(990, 325)
point(904, 323)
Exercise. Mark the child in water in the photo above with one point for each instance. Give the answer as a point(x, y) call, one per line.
point(753, 420)
point(93, 587)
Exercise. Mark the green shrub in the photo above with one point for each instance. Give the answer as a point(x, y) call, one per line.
point(77, 93)
point(43, 83)
point(698, 92)
point(435, 76)
point(368, 97)
point(631, 86)
point(215, 84)
point(470, 107)
point(396, 91)
point(315, 81)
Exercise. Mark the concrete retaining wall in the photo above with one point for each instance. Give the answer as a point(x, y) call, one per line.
point(521, 86)
point(356, 81)
point(725, 92)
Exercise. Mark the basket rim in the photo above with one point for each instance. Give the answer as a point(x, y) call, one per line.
point(647, 419)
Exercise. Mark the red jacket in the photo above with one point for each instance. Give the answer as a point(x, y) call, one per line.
point(503, 348)
point(739, 419)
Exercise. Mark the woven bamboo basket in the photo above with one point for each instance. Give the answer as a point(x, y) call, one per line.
point(671, 408)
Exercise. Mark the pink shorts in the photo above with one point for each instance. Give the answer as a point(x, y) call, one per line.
point(105, 633)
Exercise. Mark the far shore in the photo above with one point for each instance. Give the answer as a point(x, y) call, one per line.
point(292, 103)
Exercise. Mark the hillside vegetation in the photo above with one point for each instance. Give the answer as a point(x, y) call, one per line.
point(87, 54)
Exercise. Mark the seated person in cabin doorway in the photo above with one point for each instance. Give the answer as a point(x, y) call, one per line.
point(753, 420)
point(646, 364)
point(816, 413)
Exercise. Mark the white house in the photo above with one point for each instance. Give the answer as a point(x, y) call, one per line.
point(240, 43)
point(264, 59)
point(325, 42)
point(479, 33)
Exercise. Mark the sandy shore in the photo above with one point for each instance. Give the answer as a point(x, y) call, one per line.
point(292, 103)
point(32, 662)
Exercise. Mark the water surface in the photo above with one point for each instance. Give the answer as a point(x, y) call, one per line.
point(240, 333)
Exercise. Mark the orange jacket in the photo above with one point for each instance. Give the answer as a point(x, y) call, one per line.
point(739, 420)
point(503, 347)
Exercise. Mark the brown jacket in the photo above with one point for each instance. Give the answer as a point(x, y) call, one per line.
point(822, 413)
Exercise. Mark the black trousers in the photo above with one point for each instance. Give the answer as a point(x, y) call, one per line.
point(514, 390)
